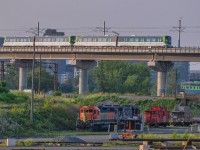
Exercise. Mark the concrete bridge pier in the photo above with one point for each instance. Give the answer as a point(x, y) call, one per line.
point(23, 71)
point(161, 82)
point(162, 67)
point(84, 66)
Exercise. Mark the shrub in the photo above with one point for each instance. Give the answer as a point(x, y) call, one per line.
point(28, 142)
point(57, 93)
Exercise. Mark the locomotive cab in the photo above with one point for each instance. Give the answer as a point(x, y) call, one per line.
point(88, 113)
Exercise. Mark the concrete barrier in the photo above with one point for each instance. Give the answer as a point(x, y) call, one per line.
point(11, 142)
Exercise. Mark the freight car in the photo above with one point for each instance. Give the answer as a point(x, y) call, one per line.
point(158, 116)
point(102, 117)
point(50, 41)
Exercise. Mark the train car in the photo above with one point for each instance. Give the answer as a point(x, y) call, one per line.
point(95, 41)
point(145, 41)
point(102, 117)
point(1, 41)
point(157, 116)
point(181, 116)
point(39, 41)
point(50, 41)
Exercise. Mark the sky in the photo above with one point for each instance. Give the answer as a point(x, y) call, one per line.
point(86, 17)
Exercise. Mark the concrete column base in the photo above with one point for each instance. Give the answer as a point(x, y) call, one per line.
point(11, 142)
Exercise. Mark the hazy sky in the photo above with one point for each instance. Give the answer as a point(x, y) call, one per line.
point(127, 17)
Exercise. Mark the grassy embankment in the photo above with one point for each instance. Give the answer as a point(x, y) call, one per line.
point(54, 116)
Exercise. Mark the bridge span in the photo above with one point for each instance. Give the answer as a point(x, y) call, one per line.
point(103, 53)
point(83, 57)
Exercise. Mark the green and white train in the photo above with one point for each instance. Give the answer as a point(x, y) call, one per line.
point(134, 41)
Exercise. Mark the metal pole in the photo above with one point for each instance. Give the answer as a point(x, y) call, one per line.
point(55, 77)
point(39, 81)
point(179, 34)
point(2, 70)
point(32, 91)
point(38, 29)
point(104, 28)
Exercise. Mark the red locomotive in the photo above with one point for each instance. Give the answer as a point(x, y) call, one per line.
point(159, 116)
point(102, 117)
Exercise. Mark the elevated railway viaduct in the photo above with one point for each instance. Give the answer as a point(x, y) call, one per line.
point(84, 58)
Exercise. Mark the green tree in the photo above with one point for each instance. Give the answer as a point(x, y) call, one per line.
point(3, 88)
point(122, 76)
point(12, 77)
point(47, 80)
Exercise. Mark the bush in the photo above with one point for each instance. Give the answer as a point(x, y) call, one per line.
point(28, 142)
point(57, 93)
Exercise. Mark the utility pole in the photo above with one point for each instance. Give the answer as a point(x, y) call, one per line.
point(39, 80)
point(55, 77)
point(175, 84)
point(104, 28)
point(38, 29)
point(179, 29)
point(2, 70)
point(32, 90)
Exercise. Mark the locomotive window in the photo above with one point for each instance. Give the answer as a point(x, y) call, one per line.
point(94, 111)
point(126, 124)
point(90, 110)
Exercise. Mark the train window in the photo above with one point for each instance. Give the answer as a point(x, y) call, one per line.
point(153, 39)
point(89, 39)
point(131, 40)
point(94, 111)
point(84, 39)
point(136, 39)
point(142, 39)
point(57, 39)
point(147, 39)
point(81, 111)
point(90, 110)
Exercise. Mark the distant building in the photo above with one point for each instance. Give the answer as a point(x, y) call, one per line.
point(194, 75)
point(53, 32)
point(183, 71)
point(63, 78)
point(70, 70)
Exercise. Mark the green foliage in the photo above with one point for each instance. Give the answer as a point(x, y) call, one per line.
point(175, 135)
point(8, 125)
point(99, 97)
point(28, 142)
point(57, 93)
point(19, 143)
point(122, 77)
point(46, 82)
point(3, 88)
point(194, 108)
point(185, 135)
point(147, 104)
point(12, 77)
point(7, 97)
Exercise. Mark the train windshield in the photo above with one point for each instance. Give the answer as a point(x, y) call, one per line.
point(168, 40)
